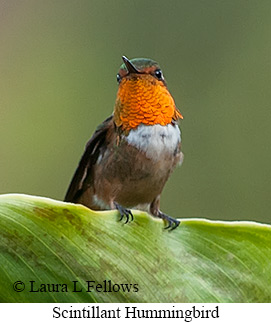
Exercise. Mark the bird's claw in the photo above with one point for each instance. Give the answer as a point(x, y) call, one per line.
point(124, 212)
point(172, 223)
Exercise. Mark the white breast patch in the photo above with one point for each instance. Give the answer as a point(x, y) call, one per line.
point(156, 141)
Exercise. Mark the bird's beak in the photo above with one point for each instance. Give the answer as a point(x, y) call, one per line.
point(130, 66)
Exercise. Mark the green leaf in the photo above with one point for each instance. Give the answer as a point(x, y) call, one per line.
point(51, 242)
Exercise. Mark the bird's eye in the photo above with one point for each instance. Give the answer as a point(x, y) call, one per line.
point(159, 75)
point(118, 78)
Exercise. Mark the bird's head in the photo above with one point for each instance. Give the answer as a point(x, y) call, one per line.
point(143, 97)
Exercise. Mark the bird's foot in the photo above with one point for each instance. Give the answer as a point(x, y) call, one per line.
point(124, 213)
point(171, 222)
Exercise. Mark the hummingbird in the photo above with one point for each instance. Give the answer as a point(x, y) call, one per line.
point(131, 155)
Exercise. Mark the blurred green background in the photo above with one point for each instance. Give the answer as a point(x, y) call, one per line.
point(58, 65)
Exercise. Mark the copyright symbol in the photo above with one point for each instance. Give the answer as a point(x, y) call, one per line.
point(18, 286)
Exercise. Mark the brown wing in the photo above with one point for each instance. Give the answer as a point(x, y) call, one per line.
point(82, 178)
